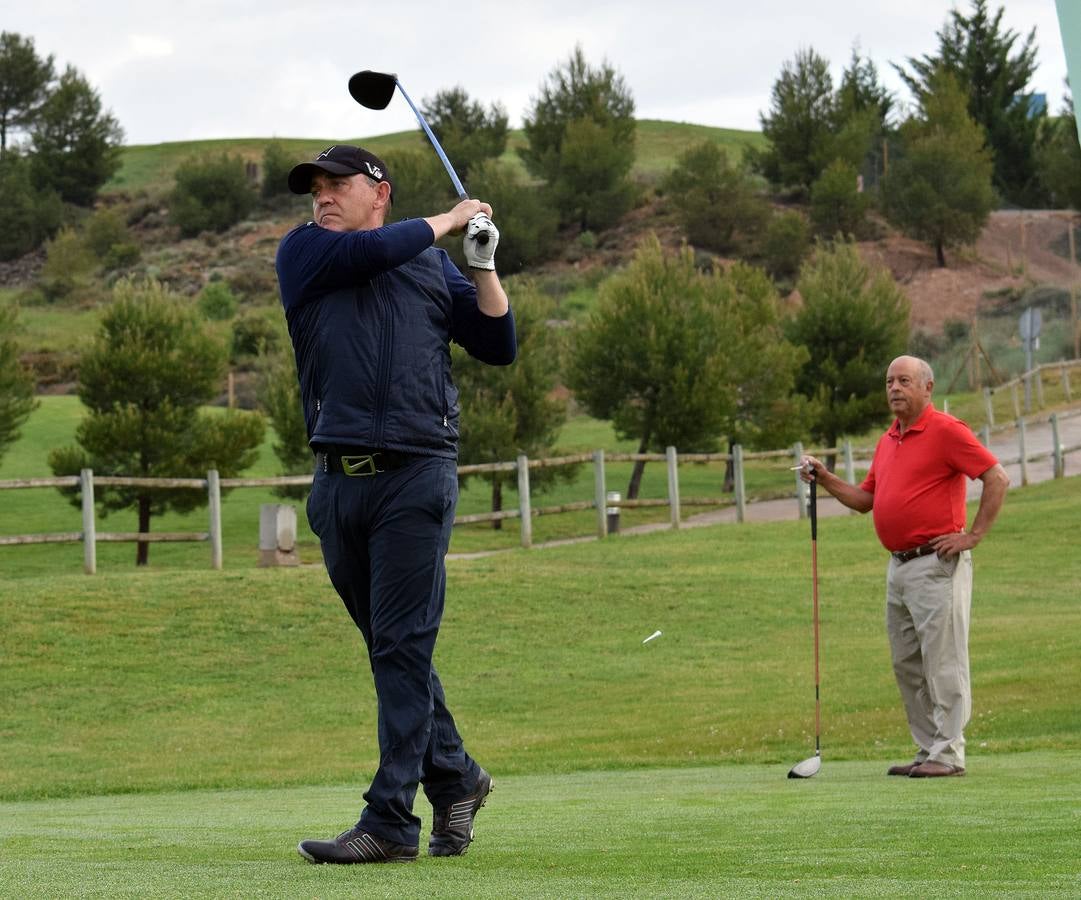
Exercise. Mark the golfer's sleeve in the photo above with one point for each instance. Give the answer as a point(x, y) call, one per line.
point(491, 339)
point(312, 260)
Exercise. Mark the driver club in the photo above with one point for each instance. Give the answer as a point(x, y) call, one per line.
point(374, 90)
point(809, 767)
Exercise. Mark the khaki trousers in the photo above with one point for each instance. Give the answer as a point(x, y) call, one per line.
point(928, 601)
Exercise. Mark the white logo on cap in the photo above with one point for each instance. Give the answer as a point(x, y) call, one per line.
point(374, 171)
point(327, 152)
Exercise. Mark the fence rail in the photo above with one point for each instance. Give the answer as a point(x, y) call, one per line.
point(1026, 380)
point(602, 502)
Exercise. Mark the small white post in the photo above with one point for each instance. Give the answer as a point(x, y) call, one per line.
point(213, 489)
point(600, 494)
point(611, 511)
point(673, 485)
point(278, 535)
point(1016, 400)
point(850, 464)
point(1066, 383)
point(524, 506)
point(90, 534)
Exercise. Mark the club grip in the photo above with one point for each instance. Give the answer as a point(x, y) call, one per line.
point(813, 508)
point(482, 236)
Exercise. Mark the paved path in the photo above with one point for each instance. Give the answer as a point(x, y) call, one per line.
point(1004, 444)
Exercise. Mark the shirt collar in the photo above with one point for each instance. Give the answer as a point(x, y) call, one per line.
point(919, 425)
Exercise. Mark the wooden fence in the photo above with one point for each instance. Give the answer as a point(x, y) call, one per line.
point(601, 501)
point(1026, 381)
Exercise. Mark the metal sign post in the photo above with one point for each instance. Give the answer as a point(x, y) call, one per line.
point(1029, 326)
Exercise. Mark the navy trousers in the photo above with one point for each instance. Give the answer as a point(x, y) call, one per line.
point(384, 538)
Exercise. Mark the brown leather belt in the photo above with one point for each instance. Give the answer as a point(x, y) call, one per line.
point(359, 462)
point(903, 556)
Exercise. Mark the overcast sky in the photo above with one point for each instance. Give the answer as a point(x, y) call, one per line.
point(260, 68)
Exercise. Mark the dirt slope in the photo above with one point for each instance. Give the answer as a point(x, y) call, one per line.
point(1016, 250)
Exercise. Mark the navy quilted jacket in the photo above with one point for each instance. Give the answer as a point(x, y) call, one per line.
point(371, 315)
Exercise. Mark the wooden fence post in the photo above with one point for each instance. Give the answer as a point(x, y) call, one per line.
point(600, 493)
point(1021, 448)
point(1016, 401)
point(673, 485)
point(1039, 387)
point(989, 407)
point(525, 508)
point(213, 489)
point(850, 464)
point(1066, 383)
point(737, 482)
point(801, 488)
point(90, 534)
point(1056, 449)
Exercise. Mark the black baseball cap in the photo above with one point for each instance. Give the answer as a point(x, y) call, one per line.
point(341, 159)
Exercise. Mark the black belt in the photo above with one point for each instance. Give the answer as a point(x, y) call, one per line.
point(359, 462)
point(903, 556)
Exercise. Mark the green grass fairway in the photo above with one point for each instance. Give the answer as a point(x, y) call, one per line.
point(174, 731)
point(727, 831)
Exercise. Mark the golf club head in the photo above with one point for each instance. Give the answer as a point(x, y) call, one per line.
point(373, 89)
point(806, 769)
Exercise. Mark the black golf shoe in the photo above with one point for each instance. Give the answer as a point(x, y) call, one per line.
point(356, 846)
point(452, 826)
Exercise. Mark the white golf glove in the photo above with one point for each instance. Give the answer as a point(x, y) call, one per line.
point(478, 255)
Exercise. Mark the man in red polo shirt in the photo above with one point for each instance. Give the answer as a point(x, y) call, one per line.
point(916, 489)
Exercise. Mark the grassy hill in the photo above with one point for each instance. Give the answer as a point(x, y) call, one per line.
point(150, 167)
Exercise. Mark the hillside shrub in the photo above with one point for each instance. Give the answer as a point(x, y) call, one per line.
point(276, 166)
point(211, 194)
point(837, 204)
point(785, 244)
point(253, 334)
point(217, 301)
point(107, 236)
point(68, 269)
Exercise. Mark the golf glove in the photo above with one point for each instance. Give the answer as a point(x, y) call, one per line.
point(478, 255)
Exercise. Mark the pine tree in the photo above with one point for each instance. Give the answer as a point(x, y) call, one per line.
point(144, 381)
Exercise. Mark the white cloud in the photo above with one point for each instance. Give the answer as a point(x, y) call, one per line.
point(148, 46)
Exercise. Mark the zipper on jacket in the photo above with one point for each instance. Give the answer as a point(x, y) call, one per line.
point(386, 354)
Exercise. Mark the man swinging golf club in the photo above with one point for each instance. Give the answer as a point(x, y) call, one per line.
point(372, 309)
point(916, 489)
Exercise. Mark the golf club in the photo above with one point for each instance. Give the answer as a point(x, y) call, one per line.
point(374, 90)
point(810, 767)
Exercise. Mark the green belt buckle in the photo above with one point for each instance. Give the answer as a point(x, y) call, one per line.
point(360, 466)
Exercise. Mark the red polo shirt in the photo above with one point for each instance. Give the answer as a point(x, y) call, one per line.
point(918, 479)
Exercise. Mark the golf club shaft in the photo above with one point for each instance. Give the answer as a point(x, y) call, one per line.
point(462, 195)
point(814, 600)
point(482, 236)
